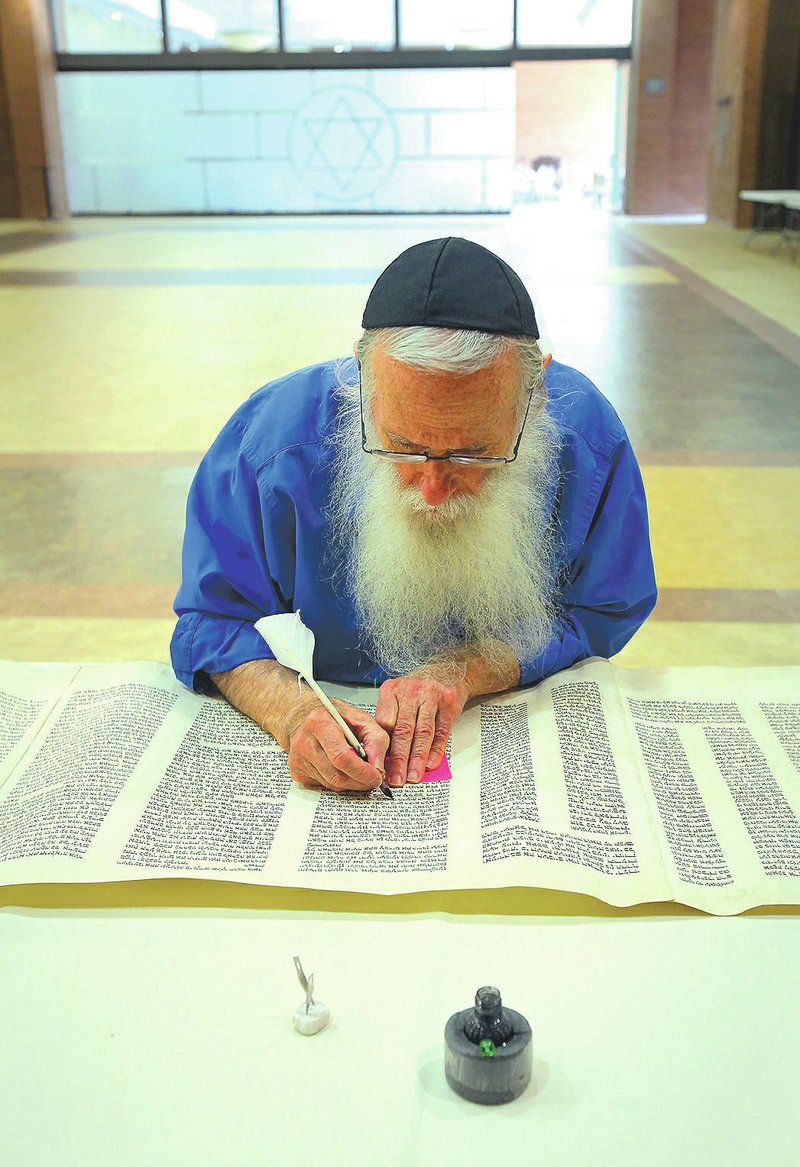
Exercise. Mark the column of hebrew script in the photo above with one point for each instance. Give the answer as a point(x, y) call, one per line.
point(685, 787)
point(220, 801)
point(357, 833)
point(17, 715)
point(61, 797)
point(784, 720)
point(693, 842)
point(599, 838)
point(765, 812)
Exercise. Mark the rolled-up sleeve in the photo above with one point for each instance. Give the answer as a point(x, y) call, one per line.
point(608, 588)
point(226, 583)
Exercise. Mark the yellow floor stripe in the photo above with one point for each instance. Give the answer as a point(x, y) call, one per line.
point(84, 640)
point(657, 644)
point(665, 644)
point(725, 527)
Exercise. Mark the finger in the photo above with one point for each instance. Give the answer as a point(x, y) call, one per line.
point(340, 766)
point(376, 744)
point(309, 764)
point(423, 737)
point(337, 763)
point(387, 709)
point(439, 743)
point(372, 736)
point(305, 774)
point(402, 739)
point(311, 783)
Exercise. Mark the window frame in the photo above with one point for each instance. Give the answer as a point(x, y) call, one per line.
point(283, 58)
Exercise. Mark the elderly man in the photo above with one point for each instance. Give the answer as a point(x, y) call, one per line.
point(453, 513)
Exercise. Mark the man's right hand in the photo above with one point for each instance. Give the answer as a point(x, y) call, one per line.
point(320, 755)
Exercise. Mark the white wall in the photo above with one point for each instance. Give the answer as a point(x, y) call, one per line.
point(298, 140)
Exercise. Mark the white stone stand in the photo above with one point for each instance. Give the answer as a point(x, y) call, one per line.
point(313, 1021)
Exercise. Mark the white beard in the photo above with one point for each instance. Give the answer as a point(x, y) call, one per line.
point(427, 580)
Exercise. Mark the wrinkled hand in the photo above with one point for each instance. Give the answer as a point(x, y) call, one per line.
point(419, 713)
point(320, 755)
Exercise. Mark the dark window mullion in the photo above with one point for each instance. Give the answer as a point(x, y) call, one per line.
point(164, 27)
point(51, 17)
point(281, 27)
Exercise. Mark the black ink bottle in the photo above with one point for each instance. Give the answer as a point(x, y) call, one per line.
point(488, 1051)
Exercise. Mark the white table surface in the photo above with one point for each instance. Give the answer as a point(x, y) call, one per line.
point(164, 1037)
point(768, 196)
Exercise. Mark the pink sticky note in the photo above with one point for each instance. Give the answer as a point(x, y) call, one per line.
point(441, 773)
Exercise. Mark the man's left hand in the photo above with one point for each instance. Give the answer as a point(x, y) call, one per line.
point(418, 714)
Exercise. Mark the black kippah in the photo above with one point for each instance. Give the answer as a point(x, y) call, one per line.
point(451, 283)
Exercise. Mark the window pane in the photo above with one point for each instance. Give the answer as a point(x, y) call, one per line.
point(108, 26)
point(574, 22)
point(344, 25)
point(452, 24)
point(242, 25)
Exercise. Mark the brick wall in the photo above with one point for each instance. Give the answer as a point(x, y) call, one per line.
point(691, 107)
point(740, 31)
point(670, 108)
point(31, 176)
point(9, 193)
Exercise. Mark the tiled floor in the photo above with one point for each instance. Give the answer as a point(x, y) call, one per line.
point(126, 343)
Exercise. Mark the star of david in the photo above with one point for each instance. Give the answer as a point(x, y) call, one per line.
point(359, 152)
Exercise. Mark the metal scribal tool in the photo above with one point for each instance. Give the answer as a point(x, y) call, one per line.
point(311, 1016)
point(488, 1051)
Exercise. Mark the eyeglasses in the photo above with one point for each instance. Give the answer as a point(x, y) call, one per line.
point(458, 459)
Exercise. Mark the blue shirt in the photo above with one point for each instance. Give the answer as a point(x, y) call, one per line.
point(256, 536)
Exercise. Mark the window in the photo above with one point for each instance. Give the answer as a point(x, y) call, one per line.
point(328, 27)
point(345, 25)
point(456, 24)
point(239, 25)
point(574, 22)
point(108, 26)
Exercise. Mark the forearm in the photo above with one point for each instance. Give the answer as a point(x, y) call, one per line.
point(267, 693)
point(491, 667)
point(481, 668)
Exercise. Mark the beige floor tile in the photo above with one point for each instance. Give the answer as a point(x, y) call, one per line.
point(657, 644)
point(629, 274)
point(96, 360)
point(228, 246)
point(84, 640)
point(768, 283)
point(663, 643)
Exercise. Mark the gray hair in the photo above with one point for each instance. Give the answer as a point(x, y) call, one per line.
point(454, 350)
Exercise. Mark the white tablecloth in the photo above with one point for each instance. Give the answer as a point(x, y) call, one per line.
point(163, 1037)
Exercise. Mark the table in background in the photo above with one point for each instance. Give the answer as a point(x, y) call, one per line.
point(775, 210)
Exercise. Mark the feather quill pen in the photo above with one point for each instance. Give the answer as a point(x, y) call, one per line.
point(292, 642)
